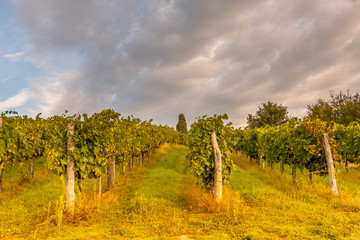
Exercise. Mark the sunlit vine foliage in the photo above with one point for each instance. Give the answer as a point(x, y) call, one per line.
point(97, 140)
point(201, 157)
point(294, 142)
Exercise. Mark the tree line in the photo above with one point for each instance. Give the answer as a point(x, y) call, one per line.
point(342, 108)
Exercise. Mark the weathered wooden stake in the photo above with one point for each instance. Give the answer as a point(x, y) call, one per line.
point(311, 177)
point(80, 185)
point(31, 168)
point(282, 167)
point(131, 163)
point(70, 179)
point(140, 159)
point(263, 162)
point(99, 186)
point(218, 169)
point(347, 165)
point(111, 173)
point(330, 164)
point(145, 157)
point(123, 168)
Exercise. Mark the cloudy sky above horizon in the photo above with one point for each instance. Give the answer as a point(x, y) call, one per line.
point(158, 58)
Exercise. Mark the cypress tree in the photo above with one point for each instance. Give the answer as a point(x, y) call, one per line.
point(181, 126)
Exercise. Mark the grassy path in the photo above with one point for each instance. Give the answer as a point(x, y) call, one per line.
point(149, 206)
point(154, 206)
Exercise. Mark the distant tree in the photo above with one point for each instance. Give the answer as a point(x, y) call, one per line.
point(269, 113)
point(181, 126)
point(342, 108)
point(321, 110)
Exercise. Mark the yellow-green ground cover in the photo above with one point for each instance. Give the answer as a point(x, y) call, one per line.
point(162, 201)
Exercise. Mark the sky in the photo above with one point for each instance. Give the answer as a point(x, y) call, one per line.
point(155, 59)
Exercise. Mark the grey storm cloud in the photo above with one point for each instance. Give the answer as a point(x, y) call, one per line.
point(158, 58)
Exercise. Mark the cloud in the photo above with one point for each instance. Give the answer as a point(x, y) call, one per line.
point(156, 59)
point(18, 100)
point(15, 57)
point(56, 93)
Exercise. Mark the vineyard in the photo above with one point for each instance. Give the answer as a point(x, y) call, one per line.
point(301, 145)
point(299, 180)
point(79, 146)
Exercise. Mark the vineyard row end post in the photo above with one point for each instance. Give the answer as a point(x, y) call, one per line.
point(70, 176)
point(218, 170)
point(330, 164)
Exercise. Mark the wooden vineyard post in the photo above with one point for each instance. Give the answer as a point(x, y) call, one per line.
point(31, 168)
point(347, 165)
point(218, 170)
point(99, 186)
point(330, 164)
point(111, 173)
point(311, 177)
point(70, 179)
point(131, 163)
point(123, 166)
point(1, 167)
point(80, 185)
point(263, 162)
point(140, 159)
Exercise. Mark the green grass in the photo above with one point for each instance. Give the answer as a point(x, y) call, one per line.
point(162, 201)
point(24, 202)
point(304, 211)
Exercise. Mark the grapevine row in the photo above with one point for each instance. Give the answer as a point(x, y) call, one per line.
point(99, 140)
point(307, 144)
point(299, 144)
